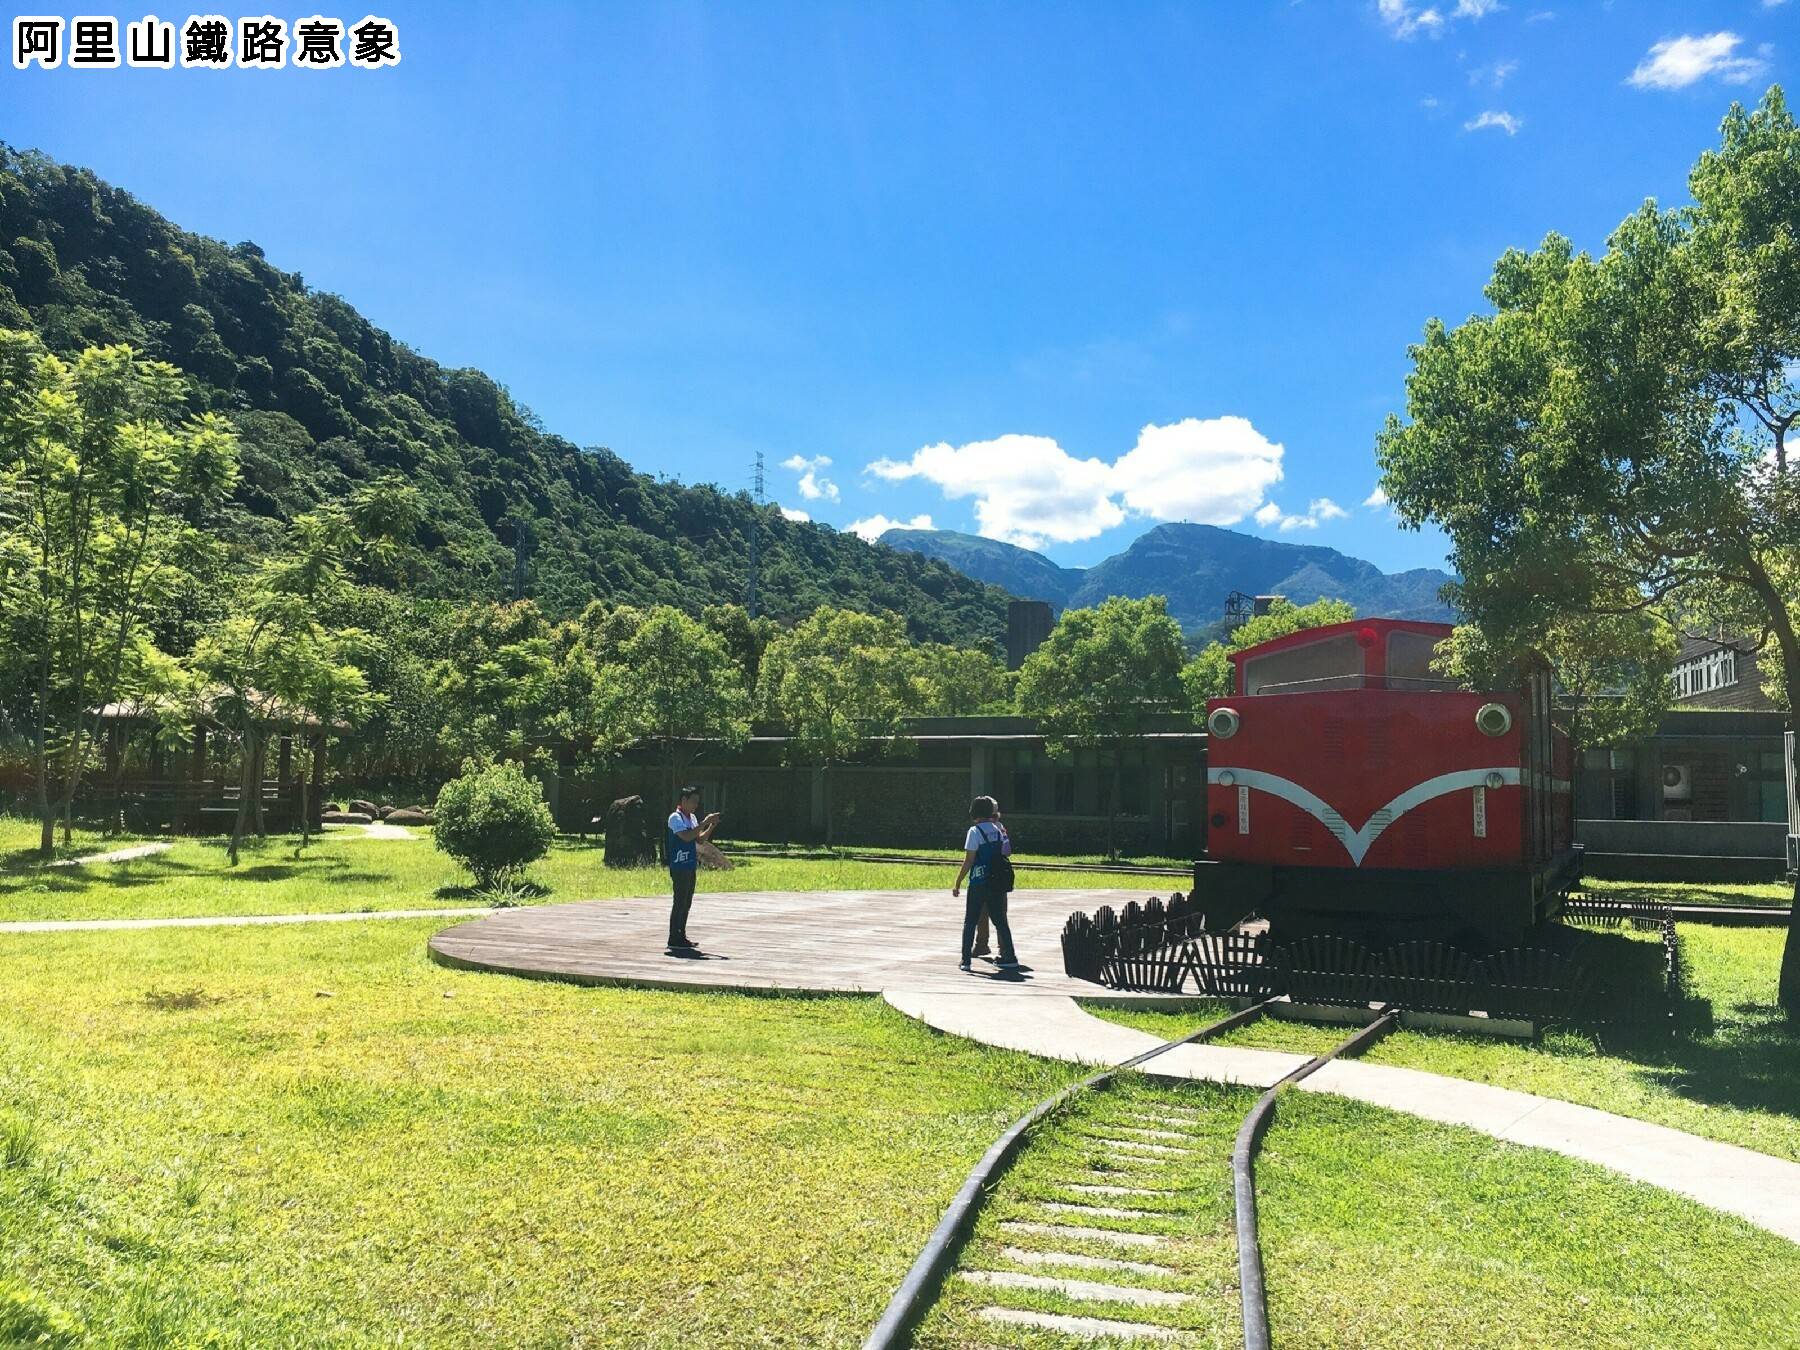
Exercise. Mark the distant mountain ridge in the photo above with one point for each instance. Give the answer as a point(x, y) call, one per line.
point(1196, 567)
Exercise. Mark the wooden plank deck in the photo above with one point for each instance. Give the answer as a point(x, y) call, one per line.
point(818, 941)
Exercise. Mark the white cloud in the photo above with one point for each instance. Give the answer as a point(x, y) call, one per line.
point(1505, 121)
point(1541, 16)
point(1675, 63)
point(794, 513)
point(1213, 471)
point(1318, 510)
point(1028, 490)
point(1428, 103)
point(1376, 499)
point(812, 486)
point(876, 526)
point(1403, 21)
point(1773, 4)
point(1493, 76)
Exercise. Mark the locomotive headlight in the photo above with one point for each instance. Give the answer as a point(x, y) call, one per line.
point(1494, 780)
point(1227, 779)
point(1493, 719)
point(1223, 723)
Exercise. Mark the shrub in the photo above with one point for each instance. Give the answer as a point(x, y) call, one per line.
point(493, 821)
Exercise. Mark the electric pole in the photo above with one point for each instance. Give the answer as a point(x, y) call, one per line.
point(755, 537)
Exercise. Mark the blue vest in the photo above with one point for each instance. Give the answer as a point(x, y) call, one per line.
point(683, 854)
point(991, 848)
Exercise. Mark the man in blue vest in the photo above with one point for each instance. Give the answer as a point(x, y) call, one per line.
point(686, 831)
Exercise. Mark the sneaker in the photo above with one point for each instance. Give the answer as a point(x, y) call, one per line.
point(681, 945)
point(963, 965)
point(1008, 963)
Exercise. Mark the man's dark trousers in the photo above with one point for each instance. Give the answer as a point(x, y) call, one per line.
point(683, 882)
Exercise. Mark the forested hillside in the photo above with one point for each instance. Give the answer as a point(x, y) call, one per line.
point(322, 401)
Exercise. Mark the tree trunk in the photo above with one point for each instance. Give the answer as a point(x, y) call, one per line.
point(246, 756)
point(41, 767)
point(830, 833)
point(260, 760)
point(1788, 989)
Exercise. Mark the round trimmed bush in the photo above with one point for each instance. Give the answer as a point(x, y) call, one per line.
point(493, 821)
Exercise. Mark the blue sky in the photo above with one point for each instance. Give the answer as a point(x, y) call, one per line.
point(1056, 272)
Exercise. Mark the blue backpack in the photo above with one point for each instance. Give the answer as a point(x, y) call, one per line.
point(993, 869)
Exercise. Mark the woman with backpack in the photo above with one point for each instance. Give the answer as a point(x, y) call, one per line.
point(987, 863)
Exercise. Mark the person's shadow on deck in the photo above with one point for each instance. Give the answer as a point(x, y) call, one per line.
point(694, 954)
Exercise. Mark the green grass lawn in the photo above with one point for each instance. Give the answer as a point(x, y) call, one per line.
point(1688, 893)
point(344, 870)
point(1026, 853)
point(209, 1150)
point(1741, 1084)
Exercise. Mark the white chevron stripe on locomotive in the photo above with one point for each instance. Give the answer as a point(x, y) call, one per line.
point(1357, 842)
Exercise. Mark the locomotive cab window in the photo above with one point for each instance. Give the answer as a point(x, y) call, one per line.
point(1409, 661)
point(1330, 663)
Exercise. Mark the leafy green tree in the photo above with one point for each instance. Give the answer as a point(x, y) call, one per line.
point(1612, 439)
point(105, 481)
point(841, 682)
point(673, 683)
point(1099, 676)
point(502, 686)
point(274, 660)
point(745, 637)
point(1208, 675)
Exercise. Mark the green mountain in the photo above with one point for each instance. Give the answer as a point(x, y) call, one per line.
point(1196, 567)
point(323, 400)
point(1028, 575)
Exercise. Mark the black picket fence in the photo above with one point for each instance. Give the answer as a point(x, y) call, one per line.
point(1162, 947)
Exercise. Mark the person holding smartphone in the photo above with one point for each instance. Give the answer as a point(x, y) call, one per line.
point(987, 863)
point(686, 831)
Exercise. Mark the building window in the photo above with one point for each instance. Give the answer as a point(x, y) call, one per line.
point(1706, 673)
point(1065, 792)
point(1021, 790)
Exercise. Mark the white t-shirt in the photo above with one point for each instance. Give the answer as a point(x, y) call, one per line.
point(680, 820)
point(974, 840)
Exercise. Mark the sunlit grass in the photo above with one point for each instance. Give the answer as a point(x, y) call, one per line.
point(344, 870)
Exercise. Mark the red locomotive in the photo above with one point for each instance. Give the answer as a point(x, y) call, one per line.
point(1352, 791)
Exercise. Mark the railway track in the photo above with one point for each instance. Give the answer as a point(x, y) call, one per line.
point(1110, 1224)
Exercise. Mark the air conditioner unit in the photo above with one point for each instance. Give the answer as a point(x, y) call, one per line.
point(1678, 783)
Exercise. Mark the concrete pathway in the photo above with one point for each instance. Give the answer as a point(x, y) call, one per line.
point(374, 829)
point(235, 920)
point(1762, 1189)
point(116, 855)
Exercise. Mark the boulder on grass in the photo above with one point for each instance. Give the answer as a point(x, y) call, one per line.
point(631, 834)
point(368, 808)
point(345, 818)
point(383, 811)
point(408, 815)
point(712, 859)
point(333, 806)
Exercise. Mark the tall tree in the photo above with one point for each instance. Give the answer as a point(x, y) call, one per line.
point(1097, 679)
point(841, 682)
point(1613, 438)
point(274, 660)
point(105, 482)
point(673, 683)
point(1208, 675)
